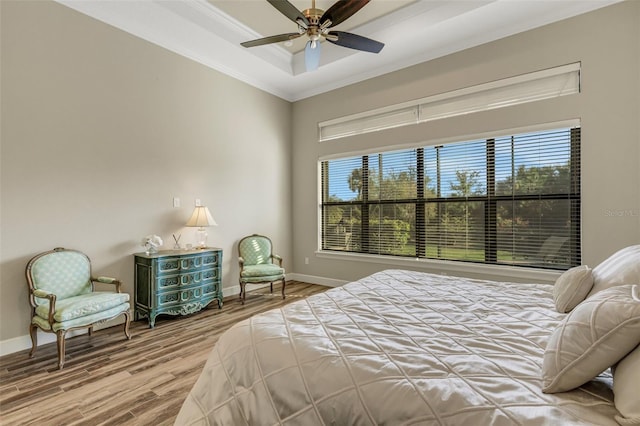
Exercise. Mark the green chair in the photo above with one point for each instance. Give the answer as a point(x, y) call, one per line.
point(62, 297)
point(258, 263)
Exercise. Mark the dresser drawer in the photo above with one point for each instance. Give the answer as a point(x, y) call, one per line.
point(170, 298)
point(184, 264)
point(186, 279)
point(209, 260)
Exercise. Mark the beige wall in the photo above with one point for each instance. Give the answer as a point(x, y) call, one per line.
point(606, 42)
point(100, 130)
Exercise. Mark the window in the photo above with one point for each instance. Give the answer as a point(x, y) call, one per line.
point(506, 200)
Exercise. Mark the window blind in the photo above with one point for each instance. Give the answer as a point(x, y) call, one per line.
point(506, 200)
point(535, 86)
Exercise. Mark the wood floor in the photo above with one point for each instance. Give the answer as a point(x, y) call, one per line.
point(108, 380)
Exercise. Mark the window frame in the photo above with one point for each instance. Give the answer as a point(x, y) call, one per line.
point(490, 200)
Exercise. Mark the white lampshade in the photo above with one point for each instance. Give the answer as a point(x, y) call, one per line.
point(201, 217)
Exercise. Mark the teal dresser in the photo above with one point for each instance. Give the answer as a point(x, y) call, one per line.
point(176, 282)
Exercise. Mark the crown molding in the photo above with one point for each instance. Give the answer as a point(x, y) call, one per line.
point(419, 32)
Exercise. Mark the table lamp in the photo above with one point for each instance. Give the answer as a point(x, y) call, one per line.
point(201, 218)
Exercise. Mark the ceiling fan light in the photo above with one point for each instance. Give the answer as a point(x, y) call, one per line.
point(302, 26)
point(325, 25)
point(312, 56)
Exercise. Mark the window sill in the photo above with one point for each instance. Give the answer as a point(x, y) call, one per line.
point(445, 267)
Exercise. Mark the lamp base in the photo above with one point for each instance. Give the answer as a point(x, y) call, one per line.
point(201, 238)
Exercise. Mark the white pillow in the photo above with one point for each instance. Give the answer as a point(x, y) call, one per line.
point(594, 336)
point(572, 288)
point(622, 267)
point(626, 388)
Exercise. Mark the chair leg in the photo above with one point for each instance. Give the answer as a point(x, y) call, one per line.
point(284, 283)
point(61, 342)
point(33, 331)
point(271, 286)
point(242, 292)
point(127, 321)
point(90, 331)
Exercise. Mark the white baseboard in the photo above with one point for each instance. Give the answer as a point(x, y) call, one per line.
point(231, 291)
point(312, 279)
point(21, 343)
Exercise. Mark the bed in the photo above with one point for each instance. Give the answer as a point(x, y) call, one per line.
point(397, 348)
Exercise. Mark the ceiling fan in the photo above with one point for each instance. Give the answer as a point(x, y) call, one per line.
point(316, 24)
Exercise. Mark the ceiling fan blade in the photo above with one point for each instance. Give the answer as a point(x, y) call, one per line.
point(312, 56)
point(354, 41)
point(270, 39)
point(290, 11)
point(342, 10)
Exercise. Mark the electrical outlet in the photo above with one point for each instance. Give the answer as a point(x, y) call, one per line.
point(198, 202)
point(306, 260)
point(176, 202)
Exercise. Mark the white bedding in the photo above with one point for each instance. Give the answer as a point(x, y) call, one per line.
point(395, 348)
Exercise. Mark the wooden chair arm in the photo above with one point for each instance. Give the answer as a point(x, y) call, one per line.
point(241, 261)
point(109, 280)
point(278, 258)
point(52, 302)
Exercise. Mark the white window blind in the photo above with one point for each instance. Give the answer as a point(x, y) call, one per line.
point(370, 123)
point(539, 85)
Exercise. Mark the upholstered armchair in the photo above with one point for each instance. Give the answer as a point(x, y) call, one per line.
point(258, 264)
point(62, 297)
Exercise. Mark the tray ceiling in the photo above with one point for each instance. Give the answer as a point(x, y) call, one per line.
point(414, 31)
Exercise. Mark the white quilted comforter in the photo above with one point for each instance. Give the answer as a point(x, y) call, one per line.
point(395, 348)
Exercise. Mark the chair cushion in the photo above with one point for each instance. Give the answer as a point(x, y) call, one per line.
point(64, 273)
point(255, 250)
point(262, 270)
point(265, 279)
point(83, 305)
point(81, 321)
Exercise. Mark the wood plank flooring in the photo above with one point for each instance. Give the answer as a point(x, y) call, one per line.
point(108, 380)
